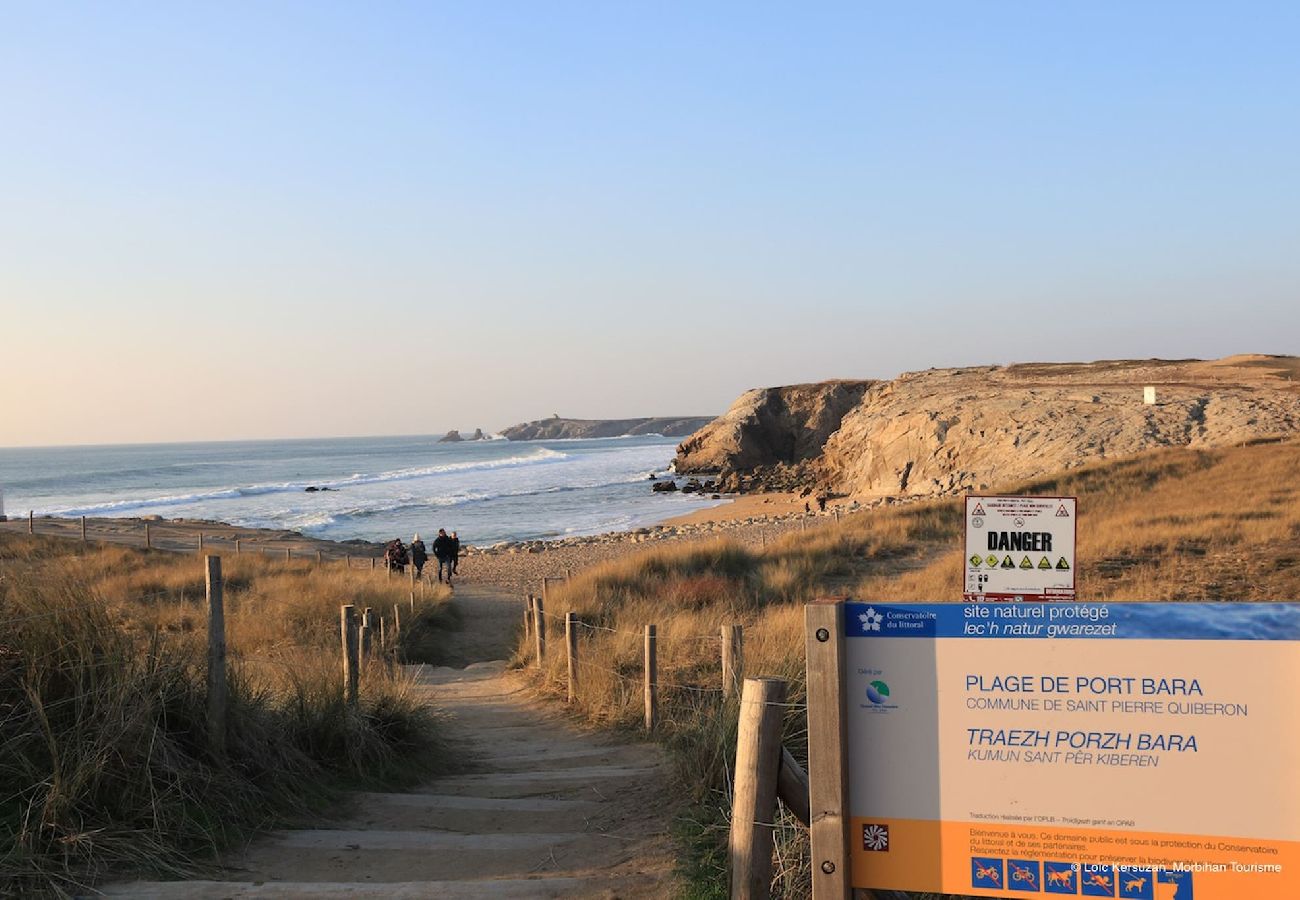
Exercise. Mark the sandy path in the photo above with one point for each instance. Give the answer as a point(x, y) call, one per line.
point(549, 809)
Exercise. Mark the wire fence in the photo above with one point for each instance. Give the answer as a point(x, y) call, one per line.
point(179, 538)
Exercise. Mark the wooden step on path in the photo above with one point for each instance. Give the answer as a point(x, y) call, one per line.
point(548, 811)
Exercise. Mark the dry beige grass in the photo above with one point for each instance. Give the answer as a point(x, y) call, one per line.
point(105, 762)
point(1175, 525)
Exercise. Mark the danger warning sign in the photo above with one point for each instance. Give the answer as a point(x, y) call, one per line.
point(1004, 537)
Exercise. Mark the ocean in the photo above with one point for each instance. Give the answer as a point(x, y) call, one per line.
point(379, 488)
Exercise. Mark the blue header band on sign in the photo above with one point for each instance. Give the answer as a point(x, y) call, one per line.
point(1089, 621)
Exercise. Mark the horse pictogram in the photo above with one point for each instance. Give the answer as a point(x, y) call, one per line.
point(1062, 877)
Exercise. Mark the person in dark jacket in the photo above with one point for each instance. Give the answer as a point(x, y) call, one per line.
point(419, 555)
point(442, 552)
point(395, 555)
point(455, 553)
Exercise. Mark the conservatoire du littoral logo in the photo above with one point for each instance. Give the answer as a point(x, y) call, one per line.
point(878, 692)
point(871, 619)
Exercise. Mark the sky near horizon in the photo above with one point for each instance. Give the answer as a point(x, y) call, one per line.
point(238, 220)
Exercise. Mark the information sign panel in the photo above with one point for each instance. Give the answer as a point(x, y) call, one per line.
point(1142, 750)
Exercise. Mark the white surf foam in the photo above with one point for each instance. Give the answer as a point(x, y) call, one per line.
point(539, 456)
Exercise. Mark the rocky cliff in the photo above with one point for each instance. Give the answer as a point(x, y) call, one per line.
point(953, 430)
point(770, 434)
point(557, 428)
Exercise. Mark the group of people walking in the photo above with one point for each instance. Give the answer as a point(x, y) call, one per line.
point(446, 550)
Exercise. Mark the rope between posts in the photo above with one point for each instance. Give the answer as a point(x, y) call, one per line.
point(660, 637)
point(636, 681)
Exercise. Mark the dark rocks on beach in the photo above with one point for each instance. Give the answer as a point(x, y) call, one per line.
point(654, 477)
point(312, 489)
point(663, 487)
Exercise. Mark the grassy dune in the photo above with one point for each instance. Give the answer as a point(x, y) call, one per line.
point(1176, 525)
point(104, 762)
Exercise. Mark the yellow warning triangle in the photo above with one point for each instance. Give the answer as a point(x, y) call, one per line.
point(1044, 563)
point(1026, 564)
point(1008, 564)
point(1063, 565)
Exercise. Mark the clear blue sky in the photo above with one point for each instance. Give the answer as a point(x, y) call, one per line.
point(271, 219)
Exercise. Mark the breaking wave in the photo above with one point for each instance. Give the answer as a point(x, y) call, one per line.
point(540, 456)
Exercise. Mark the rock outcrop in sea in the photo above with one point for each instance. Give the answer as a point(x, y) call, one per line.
point(455, 437)
point(556, 428)
point(946, 431)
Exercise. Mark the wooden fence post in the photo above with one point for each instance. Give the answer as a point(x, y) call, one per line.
point(571, 651)
point(347, 560)
point(412, 601)
point(83, 529)
point(351, 673)
point(828, 800)
point(216, 656)
point(288, 554)
point(397, 624)
point(31, 522)
point(528, 616)
point(651, 680)
point(753, 805)
point(367, 632)
point(148, 538)
point(319, 558)
point(238, 549)
point(372, 563)
point(792, 787)
point(733, 658)
point(543, 587)
point(200, 543)
point(539, 629)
